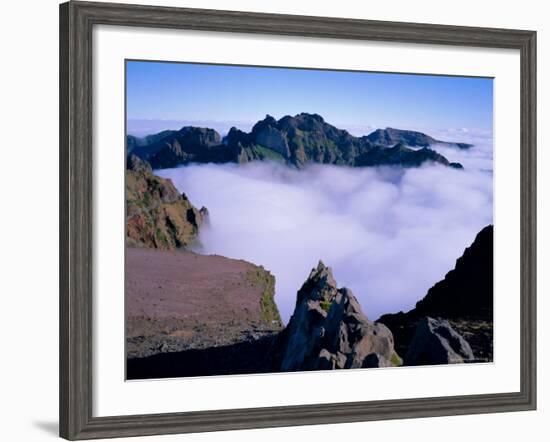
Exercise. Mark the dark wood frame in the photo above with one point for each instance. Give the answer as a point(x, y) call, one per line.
point(76, 23)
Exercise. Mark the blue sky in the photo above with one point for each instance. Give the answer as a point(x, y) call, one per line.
point(199, 92)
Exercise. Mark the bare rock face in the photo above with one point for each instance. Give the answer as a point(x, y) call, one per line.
point(157, 215)
point(275, 140)
point(464, 297)
point(293, 140)
point(390, 137)
point(328, 330)
point(436, 342)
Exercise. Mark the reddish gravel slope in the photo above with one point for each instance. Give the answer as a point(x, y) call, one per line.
point(177, 300)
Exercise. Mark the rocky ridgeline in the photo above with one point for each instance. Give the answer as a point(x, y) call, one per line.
point(391, 137)
point(464, 299)
point(328, 330)
point(157, 215)
point(297, 141)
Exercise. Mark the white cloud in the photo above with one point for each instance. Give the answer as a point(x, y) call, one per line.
point(388, 234)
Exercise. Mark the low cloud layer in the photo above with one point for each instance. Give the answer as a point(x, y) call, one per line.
point(389, 234)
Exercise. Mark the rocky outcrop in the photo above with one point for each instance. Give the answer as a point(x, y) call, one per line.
point(171, 148)
point(328, 330)
point(390, 137)
point(157, 215)
point(436, 342)
point(400, 155)
point(133, 142)
point(137, 165)
point(275, 140)
point(294, 140)
point(467, 290)
point(464, 298)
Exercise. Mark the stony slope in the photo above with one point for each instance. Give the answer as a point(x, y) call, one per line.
point(177, 300)
point(468, 288)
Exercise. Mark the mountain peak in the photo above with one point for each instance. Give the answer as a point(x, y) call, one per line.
point(297, 141)
point(310, 116)
point(268, 121)
point(320, 284)
point(321, 266)
point(328, 330)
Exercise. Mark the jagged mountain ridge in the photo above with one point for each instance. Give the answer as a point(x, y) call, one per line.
point(391, 137)
point(296, 141)
point(467, 290)
point(133, 142)
point(464, 297)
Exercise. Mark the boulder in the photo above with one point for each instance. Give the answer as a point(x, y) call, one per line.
point(436, 342)
point(328, 330)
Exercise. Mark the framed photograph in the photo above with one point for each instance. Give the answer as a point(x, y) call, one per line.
point(271, 220)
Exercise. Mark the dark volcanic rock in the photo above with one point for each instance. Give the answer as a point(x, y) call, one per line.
point(390, 137)
point(189, 144)
point(436, 342)
point(468, 288)
point(296, 141)
point(328, 330)
point(308, 138)
point(402, 156)
point(243, 357)
point(132, 141)
point(464, 297)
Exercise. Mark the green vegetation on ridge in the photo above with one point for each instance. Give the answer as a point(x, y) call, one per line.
point(295, 141)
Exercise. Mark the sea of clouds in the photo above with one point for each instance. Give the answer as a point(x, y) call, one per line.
point(388, 233)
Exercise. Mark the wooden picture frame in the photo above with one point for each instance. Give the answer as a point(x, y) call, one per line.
point(76, 243)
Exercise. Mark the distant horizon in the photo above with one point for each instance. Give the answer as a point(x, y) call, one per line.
point(142, 127)
point(167, 93)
